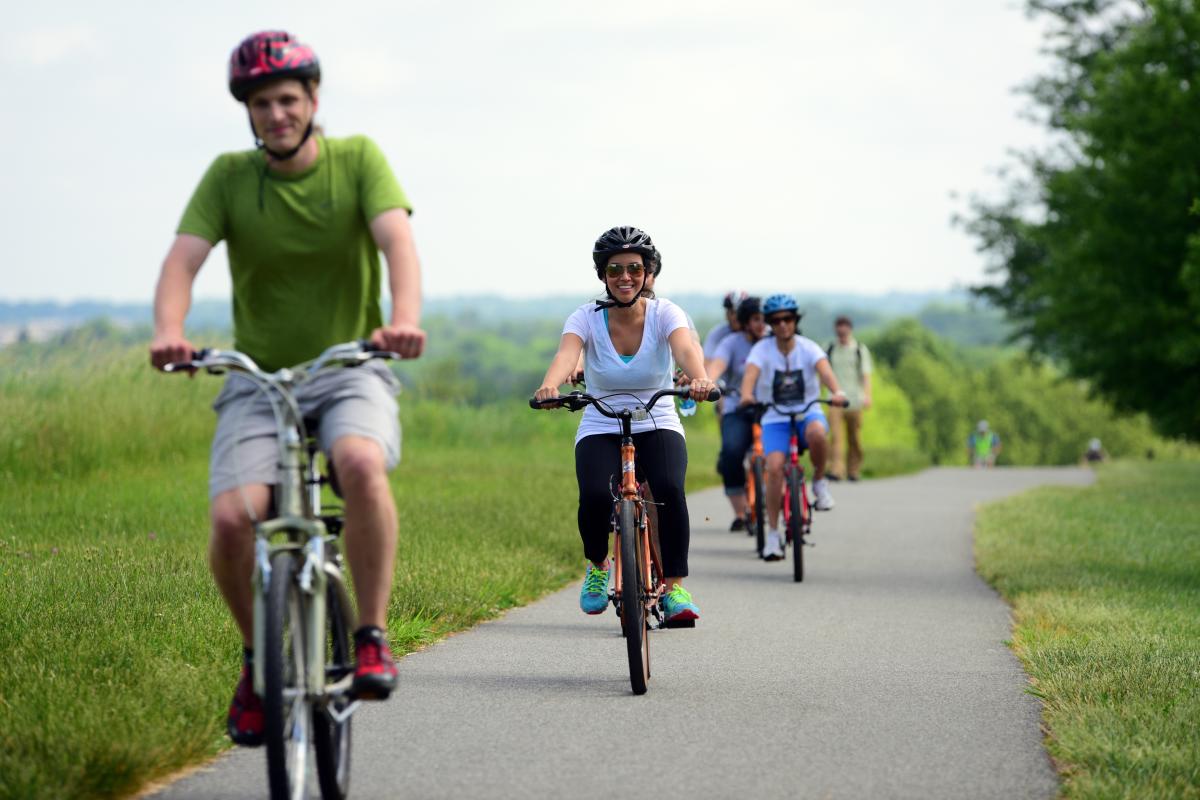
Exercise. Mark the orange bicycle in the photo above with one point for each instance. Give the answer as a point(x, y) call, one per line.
point(638, 578)
point(756, 488)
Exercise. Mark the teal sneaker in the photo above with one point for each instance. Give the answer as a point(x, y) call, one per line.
point(678, 607)
point(593, 598)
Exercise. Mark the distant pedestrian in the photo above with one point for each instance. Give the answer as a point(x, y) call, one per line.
point(983, 445)
point(1095, 452)
point(851, 362)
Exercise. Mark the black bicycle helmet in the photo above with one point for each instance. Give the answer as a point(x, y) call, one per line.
point(747, 309)
point(623, 239)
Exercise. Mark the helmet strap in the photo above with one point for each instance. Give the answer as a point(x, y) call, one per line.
point(613, 302)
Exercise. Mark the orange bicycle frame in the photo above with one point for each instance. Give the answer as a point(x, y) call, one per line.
point(756, 451)
point(631, 490)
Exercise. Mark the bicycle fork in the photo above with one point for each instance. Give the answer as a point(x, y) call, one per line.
point(312, 582)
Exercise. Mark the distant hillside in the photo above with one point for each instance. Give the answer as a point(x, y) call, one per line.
point(952, 314)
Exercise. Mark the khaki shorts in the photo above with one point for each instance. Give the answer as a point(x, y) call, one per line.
point(360, 401)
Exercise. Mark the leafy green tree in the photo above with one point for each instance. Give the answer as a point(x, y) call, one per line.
point(1098, 248)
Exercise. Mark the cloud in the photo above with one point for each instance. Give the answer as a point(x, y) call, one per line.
point(43, 47)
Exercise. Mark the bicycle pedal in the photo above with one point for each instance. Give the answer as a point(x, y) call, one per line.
point(683, 623)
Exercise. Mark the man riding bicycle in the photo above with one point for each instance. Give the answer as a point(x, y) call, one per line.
point(304, 218)
point(728, 363)
point(787, 370)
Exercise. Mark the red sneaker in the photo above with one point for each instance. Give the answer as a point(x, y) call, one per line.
point(245, 722)
point(375, 673)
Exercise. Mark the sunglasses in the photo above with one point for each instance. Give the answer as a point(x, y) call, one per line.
point(616, 270)
point(773, 321)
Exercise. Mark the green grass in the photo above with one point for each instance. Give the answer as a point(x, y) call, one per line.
point(119, 657)
point(1105, 583)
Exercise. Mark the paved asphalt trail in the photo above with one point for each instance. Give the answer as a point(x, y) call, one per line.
point(883, 675)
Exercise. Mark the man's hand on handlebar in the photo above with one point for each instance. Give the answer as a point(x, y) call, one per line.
point(406, 340)
point(840, 400)
point(166, 350)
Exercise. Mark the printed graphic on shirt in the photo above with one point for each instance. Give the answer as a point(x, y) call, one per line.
point(788, 387)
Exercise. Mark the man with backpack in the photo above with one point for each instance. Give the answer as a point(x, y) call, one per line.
point(851, 362)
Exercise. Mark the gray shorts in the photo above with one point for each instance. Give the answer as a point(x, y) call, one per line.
point(360, 401)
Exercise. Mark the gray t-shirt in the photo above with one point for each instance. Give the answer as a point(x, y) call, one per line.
point(732, 350)
point(714, 338)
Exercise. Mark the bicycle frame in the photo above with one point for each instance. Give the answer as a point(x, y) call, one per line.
point(629, 487)
point(297, 516)
point(756, 454)
point(632, 490)
point(793, 465)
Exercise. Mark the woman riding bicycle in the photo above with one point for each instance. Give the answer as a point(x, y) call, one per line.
point(784, 371)
point(632, 342)
point(728, 362)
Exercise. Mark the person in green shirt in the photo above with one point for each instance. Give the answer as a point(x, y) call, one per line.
point(983, 445)
point(304, 218)
point(851, 362)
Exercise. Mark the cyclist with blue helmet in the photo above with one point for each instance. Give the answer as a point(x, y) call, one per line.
point(787, 370)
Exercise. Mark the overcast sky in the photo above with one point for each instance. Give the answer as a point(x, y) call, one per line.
point(763, 145)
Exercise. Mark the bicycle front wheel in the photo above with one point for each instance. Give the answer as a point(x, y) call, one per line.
point(285, 706)
point(795, 485)
point(760, 504)
point(331, 739)
point(633, 608)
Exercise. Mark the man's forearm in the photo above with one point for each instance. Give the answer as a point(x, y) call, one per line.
point(404, 280)
point(172, 299)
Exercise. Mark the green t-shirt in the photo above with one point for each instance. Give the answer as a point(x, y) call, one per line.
point(306, 272)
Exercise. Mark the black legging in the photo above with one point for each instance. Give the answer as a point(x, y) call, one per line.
point(661, 462)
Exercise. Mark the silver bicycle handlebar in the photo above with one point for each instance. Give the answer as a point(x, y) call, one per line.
point(217, 362)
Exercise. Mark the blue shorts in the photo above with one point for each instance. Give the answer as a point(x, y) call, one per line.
point(777, 436)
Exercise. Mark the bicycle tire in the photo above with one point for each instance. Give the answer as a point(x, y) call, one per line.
point(287, 721)
point(331, 739)
point(633, 609)
point(760, 505)
point(796, 523)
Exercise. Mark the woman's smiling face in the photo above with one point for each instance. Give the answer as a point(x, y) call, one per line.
point(625, 276)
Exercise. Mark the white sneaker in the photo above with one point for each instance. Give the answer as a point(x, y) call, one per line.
point(772, 551)
point(824, 498)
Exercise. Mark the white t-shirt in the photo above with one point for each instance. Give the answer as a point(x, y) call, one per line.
point(789, 381)
point(650, 369)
